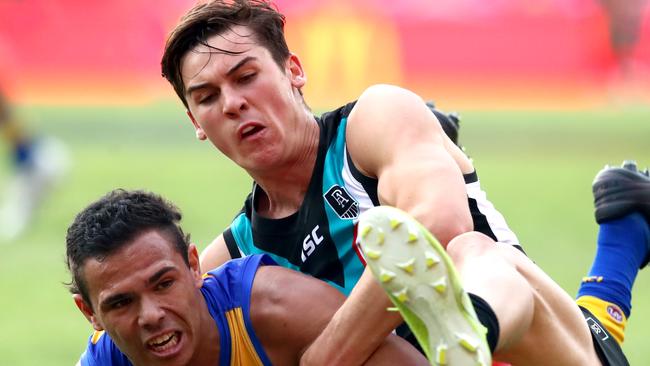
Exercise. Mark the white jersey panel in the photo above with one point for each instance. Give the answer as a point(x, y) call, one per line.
point(495, 220)
point(354, 187)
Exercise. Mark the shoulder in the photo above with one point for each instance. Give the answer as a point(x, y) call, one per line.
point(382, 98)
point(385, 90)
point(240, 266)
point(278, 292)
point(102, 351)
point(272, 293)
point(289, 309)
point(383, 110)
point(385, 121)
point(234, 278)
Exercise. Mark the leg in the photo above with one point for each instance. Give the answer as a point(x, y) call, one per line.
point(622, 202)
point(539, 322)
point(422, 283)
point(543, 326)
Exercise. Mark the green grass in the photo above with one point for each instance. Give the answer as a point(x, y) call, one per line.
point(536, 167)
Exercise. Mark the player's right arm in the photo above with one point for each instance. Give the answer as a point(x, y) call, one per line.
point(393, 137)
point(214, 255)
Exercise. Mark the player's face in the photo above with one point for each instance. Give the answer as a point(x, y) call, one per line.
point(149, 301)
point(245, 103)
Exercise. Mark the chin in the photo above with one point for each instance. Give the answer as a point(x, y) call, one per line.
point(261, 160)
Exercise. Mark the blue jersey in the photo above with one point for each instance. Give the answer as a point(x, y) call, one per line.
point(319, 239)
point(227, 292)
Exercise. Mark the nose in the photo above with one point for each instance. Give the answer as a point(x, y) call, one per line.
point(151, 313)
point(233, 103)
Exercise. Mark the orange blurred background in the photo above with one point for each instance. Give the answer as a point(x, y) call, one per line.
point(469, 53)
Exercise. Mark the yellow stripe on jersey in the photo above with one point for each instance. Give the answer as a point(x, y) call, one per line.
point(610, 315)
point(242, 352)
point(98, 334)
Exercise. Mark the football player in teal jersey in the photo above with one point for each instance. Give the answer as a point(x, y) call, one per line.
point(229, 63)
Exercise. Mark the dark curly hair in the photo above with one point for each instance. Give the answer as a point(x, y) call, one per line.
point(109, 223)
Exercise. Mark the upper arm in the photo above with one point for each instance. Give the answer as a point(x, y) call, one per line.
point(289, 310)
point(393, 136)
point(214, 255)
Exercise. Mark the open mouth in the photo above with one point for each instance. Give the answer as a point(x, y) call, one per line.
point(164, 343)
point(250, 131)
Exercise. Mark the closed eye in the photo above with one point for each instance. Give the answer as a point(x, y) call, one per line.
point(164, 284)
point(121, 303)
point(206, 98)
point(118, 303)
point(246, 78)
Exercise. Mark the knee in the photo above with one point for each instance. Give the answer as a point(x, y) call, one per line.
point(470, 244)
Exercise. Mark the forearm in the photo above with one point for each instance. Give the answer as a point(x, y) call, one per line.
point(357, 329)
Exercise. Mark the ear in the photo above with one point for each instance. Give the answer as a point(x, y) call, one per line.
point(195, 264)
point(87, 311)
point(200, 134)
point(297, 74)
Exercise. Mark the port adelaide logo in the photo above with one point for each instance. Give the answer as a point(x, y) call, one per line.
point(341, 202)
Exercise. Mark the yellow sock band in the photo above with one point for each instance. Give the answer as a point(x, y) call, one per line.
point(609, 314)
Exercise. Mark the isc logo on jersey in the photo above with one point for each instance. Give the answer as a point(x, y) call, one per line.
point(341, 202)
point(310, 242)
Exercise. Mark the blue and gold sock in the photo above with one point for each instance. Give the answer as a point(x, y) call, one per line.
point(607, 291)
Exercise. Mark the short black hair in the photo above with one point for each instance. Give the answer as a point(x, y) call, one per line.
point(109, 223)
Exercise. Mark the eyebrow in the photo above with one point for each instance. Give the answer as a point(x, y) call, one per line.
point(196, 87)
point(153, 279)
point(113, 299)
point(240, 64)
point(118, 297)
point(232, 70)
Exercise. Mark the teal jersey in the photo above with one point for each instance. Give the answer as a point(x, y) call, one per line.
point(319, 239)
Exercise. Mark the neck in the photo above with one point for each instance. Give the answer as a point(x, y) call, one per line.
point(209, 347)
point(284, 187)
